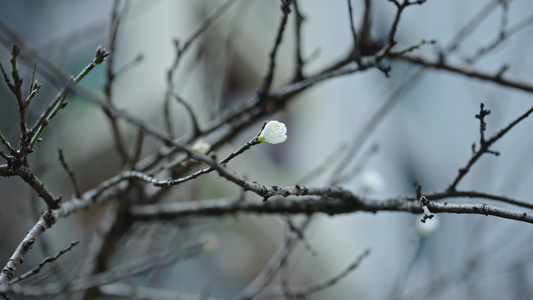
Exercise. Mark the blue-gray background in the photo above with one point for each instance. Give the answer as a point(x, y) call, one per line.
point(426, 137)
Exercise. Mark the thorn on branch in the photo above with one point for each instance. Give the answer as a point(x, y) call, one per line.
point(424, 202)
point(496, 153)
point(502, 70)
point(413, 47)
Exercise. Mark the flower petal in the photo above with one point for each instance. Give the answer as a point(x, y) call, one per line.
point(274, 132)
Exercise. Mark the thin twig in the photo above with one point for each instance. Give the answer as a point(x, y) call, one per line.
point(180, 51)
point(411, 48)
point(70, 173)
point(128, 270)
point(364, 33)
point(267, 81)
point(137, 151)
point(47, 260)
point(356, 42)
point(516, 28)
point(171, 182)
point(305, 291)
point(142, 292)
point(194, 120)
point(299, 234)
point(201, 27)
point(273, 265)
point(485, 145)
point(59, 102)
point(6, 143)
point(468, 71)
point(394, 27)
point(299, 19)
point(116, 19)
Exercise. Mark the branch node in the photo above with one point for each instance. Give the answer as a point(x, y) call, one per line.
point(424, 202)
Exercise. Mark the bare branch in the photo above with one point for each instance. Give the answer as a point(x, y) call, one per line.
point(485, 144)
point(131, 269)
point(274, 264)
point(41, 265)
point(201, 27)
point(299, 19)
point(504, 35)
point(392, 32)
point(116, 20)
point(59, 102)
point(138, 148)
point(6, 143)
point(24, 172)
point(472, 24)
point(140, 292)
point(46, 220)
point(305, 291)
point(195, 127)
point(330, 205)
point(468, 71)
point(180, 51)
point(356, 50)
point(267, 81)
point(70, 173)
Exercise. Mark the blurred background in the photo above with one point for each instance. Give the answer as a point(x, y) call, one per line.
point(425, 137)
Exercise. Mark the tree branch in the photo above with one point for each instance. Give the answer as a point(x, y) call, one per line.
point(330, 205)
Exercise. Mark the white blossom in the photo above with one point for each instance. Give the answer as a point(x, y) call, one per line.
point(201, 146)
point(427, 228)
point(371, 181)
point(274, 132)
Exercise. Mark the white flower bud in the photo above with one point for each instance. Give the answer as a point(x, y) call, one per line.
point(201, 146)
point(371, 181)
point(427, 228)
point(274, 132)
